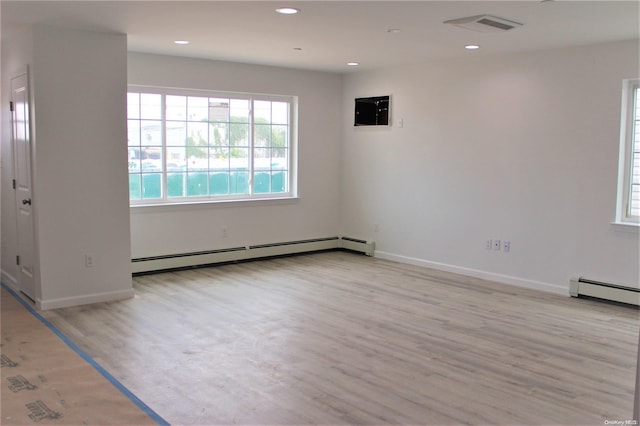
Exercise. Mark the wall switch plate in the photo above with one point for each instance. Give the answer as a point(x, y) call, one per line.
point(489, 245)
point(506, 246)
point(496, 244)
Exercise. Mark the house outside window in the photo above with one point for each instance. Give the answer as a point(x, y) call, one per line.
point(189, 146)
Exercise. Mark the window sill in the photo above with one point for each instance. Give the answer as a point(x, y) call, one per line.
point(627, 227)
point(208, 204)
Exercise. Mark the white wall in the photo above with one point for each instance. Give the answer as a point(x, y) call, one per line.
point(170, 230)
point(80, 174)
point(521, 147)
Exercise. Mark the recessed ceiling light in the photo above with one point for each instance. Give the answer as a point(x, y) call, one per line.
point(393, 31)
point(472, 47)
point(353, 64)
point(181, 42)
point(287, 10)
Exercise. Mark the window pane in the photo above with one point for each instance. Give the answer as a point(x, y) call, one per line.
point(239, 110)
point(151, 157)
point(135, 188)
point(219, 183)
point(219, 110)
point(176, 184)
point(262, 112)
point(151, 185)
point(279, 159)
point(219, 134)
point(197, 145)
point(262, 135)
point(197, 108)
point(134, 160)
point(279, 136)
point(219, 158)
point(176, 108)
point(239, 134)
point(239, 159)
point(150, 106)
point(279, 182)
point(133, 132)
point(239, 182)
point(176, 159)
point(280, 113)
point(151, 132)
point(176, 133)
point(133, 105)
point(197, 184)
point(198, 133)
point(635, 200)
point(197, 164)
point(262, 182)
point(262, 158)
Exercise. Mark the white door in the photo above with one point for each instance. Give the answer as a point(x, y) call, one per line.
point(20, 118)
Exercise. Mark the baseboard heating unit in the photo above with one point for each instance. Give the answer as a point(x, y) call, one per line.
point(237, 254)
point(614, 292)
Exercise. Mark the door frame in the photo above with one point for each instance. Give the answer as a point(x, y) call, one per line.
point(33, 291)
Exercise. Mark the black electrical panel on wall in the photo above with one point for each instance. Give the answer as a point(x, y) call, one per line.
point(373, 111)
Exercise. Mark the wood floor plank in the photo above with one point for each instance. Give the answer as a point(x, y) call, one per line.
point(338, 338)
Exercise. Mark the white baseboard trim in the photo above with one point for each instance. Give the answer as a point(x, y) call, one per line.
point(9, 280)
point(476, 273)
point(65, 302)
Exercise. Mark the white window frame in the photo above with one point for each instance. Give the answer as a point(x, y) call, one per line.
point(251, 196)
point(626, 159)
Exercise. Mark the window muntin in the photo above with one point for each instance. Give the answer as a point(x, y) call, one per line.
point(187, 147)
point(629, 181)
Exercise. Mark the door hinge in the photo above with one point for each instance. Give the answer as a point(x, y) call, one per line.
point(11, 106)
point(14, 183)
point(17, 260)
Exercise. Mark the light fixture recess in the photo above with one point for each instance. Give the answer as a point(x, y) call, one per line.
point(181, 41)
point(353, 64)
point(472, 47)
point(287, 10)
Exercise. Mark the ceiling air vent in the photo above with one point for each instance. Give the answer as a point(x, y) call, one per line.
point(484, 23)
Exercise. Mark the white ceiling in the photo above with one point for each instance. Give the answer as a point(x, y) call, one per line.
point(331, 33)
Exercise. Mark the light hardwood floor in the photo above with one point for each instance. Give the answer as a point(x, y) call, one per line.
point(339, 338)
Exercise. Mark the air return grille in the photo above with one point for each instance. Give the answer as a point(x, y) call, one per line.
point(484, 23)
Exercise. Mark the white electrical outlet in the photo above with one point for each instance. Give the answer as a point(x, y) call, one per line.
point(88, 260)
point(489, 245)
point(496, 245)
point(506, 246)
